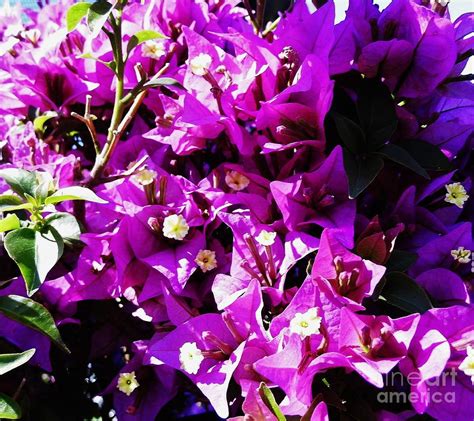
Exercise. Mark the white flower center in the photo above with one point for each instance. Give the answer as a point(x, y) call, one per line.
point(266, 238)
point(127, 383)
point(467, 366)
point(456, 194)
point(306, 324)
point(236, 181)
point(145, 177)
point(175, 227)
point(461, 255)
point(190, 357)
point(206, 260)
point(153, 49)
point(200, 64)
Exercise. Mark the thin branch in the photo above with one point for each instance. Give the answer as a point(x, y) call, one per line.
point(88, 120)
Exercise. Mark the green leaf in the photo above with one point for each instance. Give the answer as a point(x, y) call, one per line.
point(12, 208)
point(401, 156)
point(20, 181)
point(163, 81)
point(75, 14)
point(142, 36)
point(66, 225)
point(403, 292)
point(349, 132)
point(269, 400)
point(35, 253)
point(10, 222)
point(427, 155)
point(9, 409)
point(9, 362)
point(400, 260)
point(97, 15)
point(376, 111)
point(110, 64)
point(40, 121)
point(73, 193)
point(361, 171)
point(9, 199)
point(33, 315)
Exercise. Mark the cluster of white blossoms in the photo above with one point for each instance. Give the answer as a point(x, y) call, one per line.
point(190, 357)
point(266, 238)
point(467, 366)
point(127, 383)
point(456, 194)
point(236, 181)
point(306, 324)
point(461, 255)
point(200, 64)
point(175, 227)
point(206, 260)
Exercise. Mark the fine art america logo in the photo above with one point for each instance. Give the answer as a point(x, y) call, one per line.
point(434, 392)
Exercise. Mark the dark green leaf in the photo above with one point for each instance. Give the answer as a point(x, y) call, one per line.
point(33, 315)
point(401, 156)
point(142, 36)
point(10, 222)
point(361, 171)
point(9, 200)
point(269, 400)
point(376, 111)
point(9, 409)
point(35, 253)
point(66, 225)
point(73, 193)
point(97, 15)
point(9, 362)
point(20, 181)
point(163, 81)
point(349, 132)
point(403, 292)
point(427, 155)
point(400, 260)
point(75, 14)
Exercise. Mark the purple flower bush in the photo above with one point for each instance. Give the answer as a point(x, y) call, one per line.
point(216, 209)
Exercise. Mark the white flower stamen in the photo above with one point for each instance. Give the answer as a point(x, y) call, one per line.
point(206, 260)
point(306, 324)
point(127, 383)
point(175, 227)
point(461, 255)
point(200, 64)
point(266, 238)
point(236, 181)
point(467, 365)
point(190, 357)
point(153, 49)
point(456, 194)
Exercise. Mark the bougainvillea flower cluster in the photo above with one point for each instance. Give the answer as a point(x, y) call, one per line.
point(281, 224)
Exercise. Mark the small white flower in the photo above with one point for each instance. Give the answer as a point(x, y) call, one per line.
point(456, 194)
point(200, 64)
point(461, 255)
point(145, 177)
point(127, 383)
point(306, 324)
point(190, 357)
point(236, 181)
point(175, 227)
point(467, 366)
point(206, 260)
point(153, 49)
point(266, 238)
